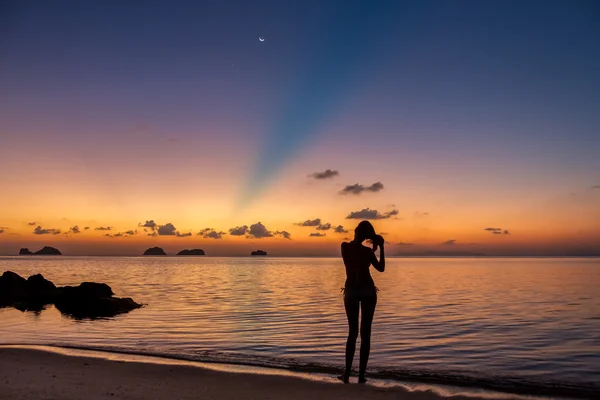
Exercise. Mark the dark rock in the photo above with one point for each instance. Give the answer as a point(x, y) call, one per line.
point(40, 291)
point(88, 290)
point(48, 251)
point(192, 252)
point(13, 288)
point(88, 300)
point(258, 253)
point(25, 252)
point(155, 251)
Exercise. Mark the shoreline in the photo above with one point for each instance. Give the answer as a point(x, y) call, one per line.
point(32, 372)
point(390, 384)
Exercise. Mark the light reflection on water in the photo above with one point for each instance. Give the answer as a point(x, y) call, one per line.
point(535, 318)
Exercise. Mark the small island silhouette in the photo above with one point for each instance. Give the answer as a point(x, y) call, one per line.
point(155, 251)
point(258, 253)
point(192, 252)
point(45, 251)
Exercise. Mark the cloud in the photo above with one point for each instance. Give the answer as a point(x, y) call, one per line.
point(259, 231)
point(450, 242)
point(317, 234)
point(103, 228)
point(324, 227)
point(167, 230)
point(421, 214)
point(593, 187)
point(310, 222)
point(152, 234)
point(2, 230)
point(404, 244)
point(179, 234)
point(367, 213)
point(149, 224)
point(358, 189)
point(210, 233)
point(51, 231)
point(497, 231)
point(285, 234)
point(74, 229)
point(32, 223)
point(340, 229)
point(327, 174)
point(85, 228)
point(239, 230)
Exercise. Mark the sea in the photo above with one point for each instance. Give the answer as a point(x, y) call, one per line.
point(517, 325)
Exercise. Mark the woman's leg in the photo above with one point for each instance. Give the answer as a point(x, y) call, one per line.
point(352, 309)
point(368, 311)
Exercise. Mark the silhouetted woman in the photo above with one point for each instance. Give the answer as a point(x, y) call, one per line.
point(360, 293)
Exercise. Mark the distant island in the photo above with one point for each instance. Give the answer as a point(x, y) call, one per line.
point(155, 251)
point(192, 252)
point(258, 253)
point(46, 251)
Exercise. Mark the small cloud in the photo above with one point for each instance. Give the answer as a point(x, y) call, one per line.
point(210, 233)
point(259, 231)
point(310, 222)
point(41, 231)
point(103, 228)
point(367, 213)
point(239, 230)
point(497, 232)
point(167, 230)
point(131, 233)
point(340, 229)
point(32, 223)
point(327, 174)
point(152, 234)
point(85, 228)
point(421, 214)
point(285, 234)
point(317, 234)
point(324, 227)
point(493, 229)
point(179, 234)
point(506, 233)
point(149, 224)
point(450, 242)
point(74, 229)
point(3, 229)
point(594, 187)
point(358, 189)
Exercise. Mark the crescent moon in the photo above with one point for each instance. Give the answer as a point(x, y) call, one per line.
point(262, 39)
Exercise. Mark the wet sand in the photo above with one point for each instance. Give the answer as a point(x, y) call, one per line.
point(30, 374)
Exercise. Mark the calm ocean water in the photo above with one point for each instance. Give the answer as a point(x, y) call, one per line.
point(531, 321)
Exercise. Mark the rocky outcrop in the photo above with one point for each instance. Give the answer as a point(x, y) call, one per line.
point(258, 253)
point(48, 251)
point(192, 252)
point(25, 252)
point(88, 300)
point(155, 251)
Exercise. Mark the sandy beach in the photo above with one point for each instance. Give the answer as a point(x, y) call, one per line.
point(35, 374)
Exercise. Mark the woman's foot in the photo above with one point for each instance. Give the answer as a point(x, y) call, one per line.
point(362, 379)
point(344, 378)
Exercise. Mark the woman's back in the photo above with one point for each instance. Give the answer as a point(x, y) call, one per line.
point(357, 259)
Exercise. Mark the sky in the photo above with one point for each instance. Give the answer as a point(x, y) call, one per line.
point(456, 127)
